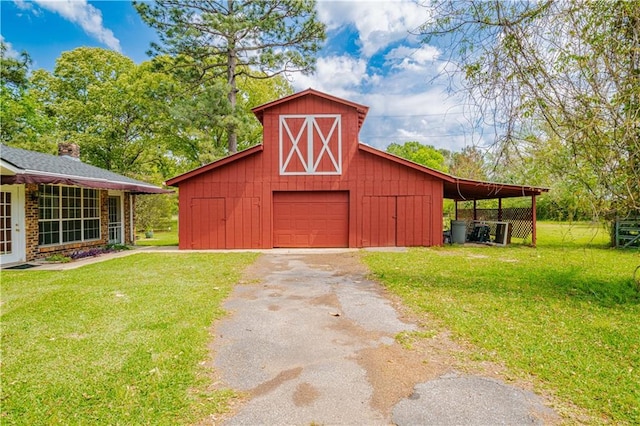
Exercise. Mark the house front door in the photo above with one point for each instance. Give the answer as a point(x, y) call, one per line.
point(115, 219)
point(12, 232)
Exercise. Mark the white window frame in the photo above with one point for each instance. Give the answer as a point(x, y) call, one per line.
point(60, 219)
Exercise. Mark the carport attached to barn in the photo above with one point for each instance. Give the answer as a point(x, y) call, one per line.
point(521, 219)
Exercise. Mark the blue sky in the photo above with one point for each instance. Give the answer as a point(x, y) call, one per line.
point(370, 58)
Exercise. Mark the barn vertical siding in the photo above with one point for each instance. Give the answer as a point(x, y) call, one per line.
point(389, 203)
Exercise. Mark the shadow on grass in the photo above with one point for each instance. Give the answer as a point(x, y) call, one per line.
point(588, 279)
point(573, 284)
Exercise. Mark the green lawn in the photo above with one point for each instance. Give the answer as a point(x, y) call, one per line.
point(122, 341)
point(572, 235)
point(160, 238)
point(118, 342)
point(565, 315)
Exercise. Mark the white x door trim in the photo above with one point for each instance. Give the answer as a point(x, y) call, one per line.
point(327, 143)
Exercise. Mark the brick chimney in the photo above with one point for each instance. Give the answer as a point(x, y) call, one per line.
point(69, 149)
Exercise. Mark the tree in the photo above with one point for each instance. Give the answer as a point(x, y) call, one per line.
point(24, 122)
point(255, 39)
point(468, 163)
point(545, 73)
point(542, 165)
point(116, 111)
point(14, 71)
point(201, 117)
point(154, 212)
point(426, 155)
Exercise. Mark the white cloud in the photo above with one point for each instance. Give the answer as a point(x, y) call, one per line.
point(23, 5)
point(429, 116)
point(406, 99)
point(404, 104)
point(81, 13)
point(379, 23)
point(338, 75)
point(405, 57)
point(10, 52)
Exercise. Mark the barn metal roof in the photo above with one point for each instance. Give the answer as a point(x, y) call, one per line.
point(466, 189)
point(22, 166)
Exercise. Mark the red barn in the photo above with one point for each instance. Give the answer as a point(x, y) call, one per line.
point(313, 184)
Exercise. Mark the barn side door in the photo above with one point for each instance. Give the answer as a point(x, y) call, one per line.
point(208, 223)
point(415, 221)
point(379, 222)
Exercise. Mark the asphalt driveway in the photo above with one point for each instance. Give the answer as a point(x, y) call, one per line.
point(310, 340)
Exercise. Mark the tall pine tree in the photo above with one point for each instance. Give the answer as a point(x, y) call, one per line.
point(230, 38)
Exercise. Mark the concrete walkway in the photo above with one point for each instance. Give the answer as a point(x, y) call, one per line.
point(43, 265)
point(302, 345)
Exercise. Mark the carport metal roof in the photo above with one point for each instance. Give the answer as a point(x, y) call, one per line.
point(467, 190)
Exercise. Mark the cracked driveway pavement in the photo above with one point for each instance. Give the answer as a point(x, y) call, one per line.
point(313, 341)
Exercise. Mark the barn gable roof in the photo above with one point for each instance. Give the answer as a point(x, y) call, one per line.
point(455, 188)
point(361, 109)
point(391, 157)
point(175, 181)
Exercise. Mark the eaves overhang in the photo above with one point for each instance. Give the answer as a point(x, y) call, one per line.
point(25, 176)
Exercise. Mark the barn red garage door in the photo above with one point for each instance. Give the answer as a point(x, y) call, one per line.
point(311, 219)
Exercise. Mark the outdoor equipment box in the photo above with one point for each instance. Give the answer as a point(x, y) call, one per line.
point(503, 233)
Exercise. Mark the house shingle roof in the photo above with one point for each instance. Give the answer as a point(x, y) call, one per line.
point(37, 167)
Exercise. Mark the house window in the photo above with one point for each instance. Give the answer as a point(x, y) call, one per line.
point(67, 214)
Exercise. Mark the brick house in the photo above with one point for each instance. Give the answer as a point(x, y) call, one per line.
point(58, 204)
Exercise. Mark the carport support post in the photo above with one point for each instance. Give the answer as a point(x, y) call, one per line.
point(499, 209)
point(533, 220)
point(475, 212)
point(456, 209)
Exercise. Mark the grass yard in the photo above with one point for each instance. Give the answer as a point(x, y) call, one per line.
point(123, 341)
point(160, 238)
point(565, 315)
point(117, 342)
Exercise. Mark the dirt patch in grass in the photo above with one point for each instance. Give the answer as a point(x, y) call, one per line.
point(394, 370)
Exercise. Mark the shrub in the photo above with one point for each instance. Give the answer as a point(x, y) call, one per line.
point(58, 258)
